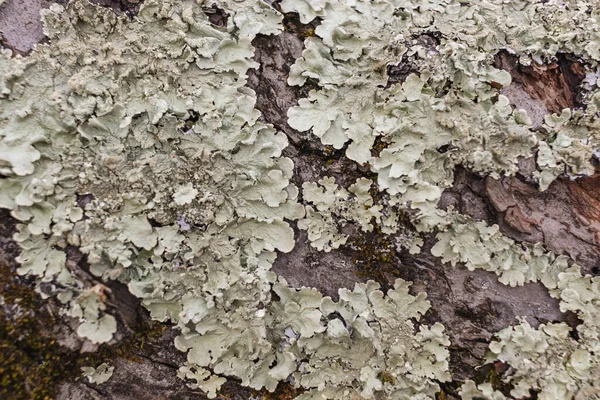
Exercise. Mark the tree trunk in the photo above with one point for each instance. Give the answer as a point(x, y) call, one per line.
point(42, 355)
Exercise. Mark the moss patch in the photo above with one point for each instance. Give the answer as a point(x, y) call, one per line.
point(33, 362)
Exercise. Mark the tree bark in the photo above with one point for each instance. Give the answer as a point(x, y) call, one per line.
point(42, 354)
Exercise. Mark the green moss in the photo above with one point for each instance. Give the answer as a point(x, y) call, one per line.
point(375, 256)
point(33, 363)
point(292, 24)
point(494, 373)
point(284, 391)
point(386, 377)
point(127, 349)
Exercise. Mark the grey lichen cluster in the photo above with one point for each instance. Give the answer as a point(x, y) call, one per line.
point(328, 202)
point(98, 375)
point(138, 143)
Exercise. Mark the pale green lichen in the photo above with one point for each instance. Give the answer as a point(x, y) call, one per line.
point(549, 359)
point(453, 103)
point(187, 194)
point(137, 142)
point(124, 142)
point(454, 100)
point(471, 391)
point(98, 375)
point(331, 207)
point(206, 381)
point(478, 246)
point(369, 338)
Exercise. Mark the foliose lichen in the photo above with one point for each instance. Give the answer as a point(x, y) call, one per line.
point(330, 202)
point(98, 375)
point(450, 112)
point(471, 391)
point(188, 196)
point(188, 214)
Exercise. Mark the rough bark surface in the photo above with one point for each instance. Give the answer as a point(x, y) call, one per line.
point(20, 28)
point(554, 84)
point(472, 305)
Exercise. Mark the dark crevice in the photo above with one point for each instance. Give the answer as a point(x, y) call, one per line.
point(429, 39)
point(446, 148)
point(448, 391)
point(129, 8)
point(153, 360)
point(397, 73)
point(292, 23)
point(496, 374)
point(467, 196)
point(156, 224)
point(121, 303)
point(83, 199)
point(573, 320)
point(217, 16)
